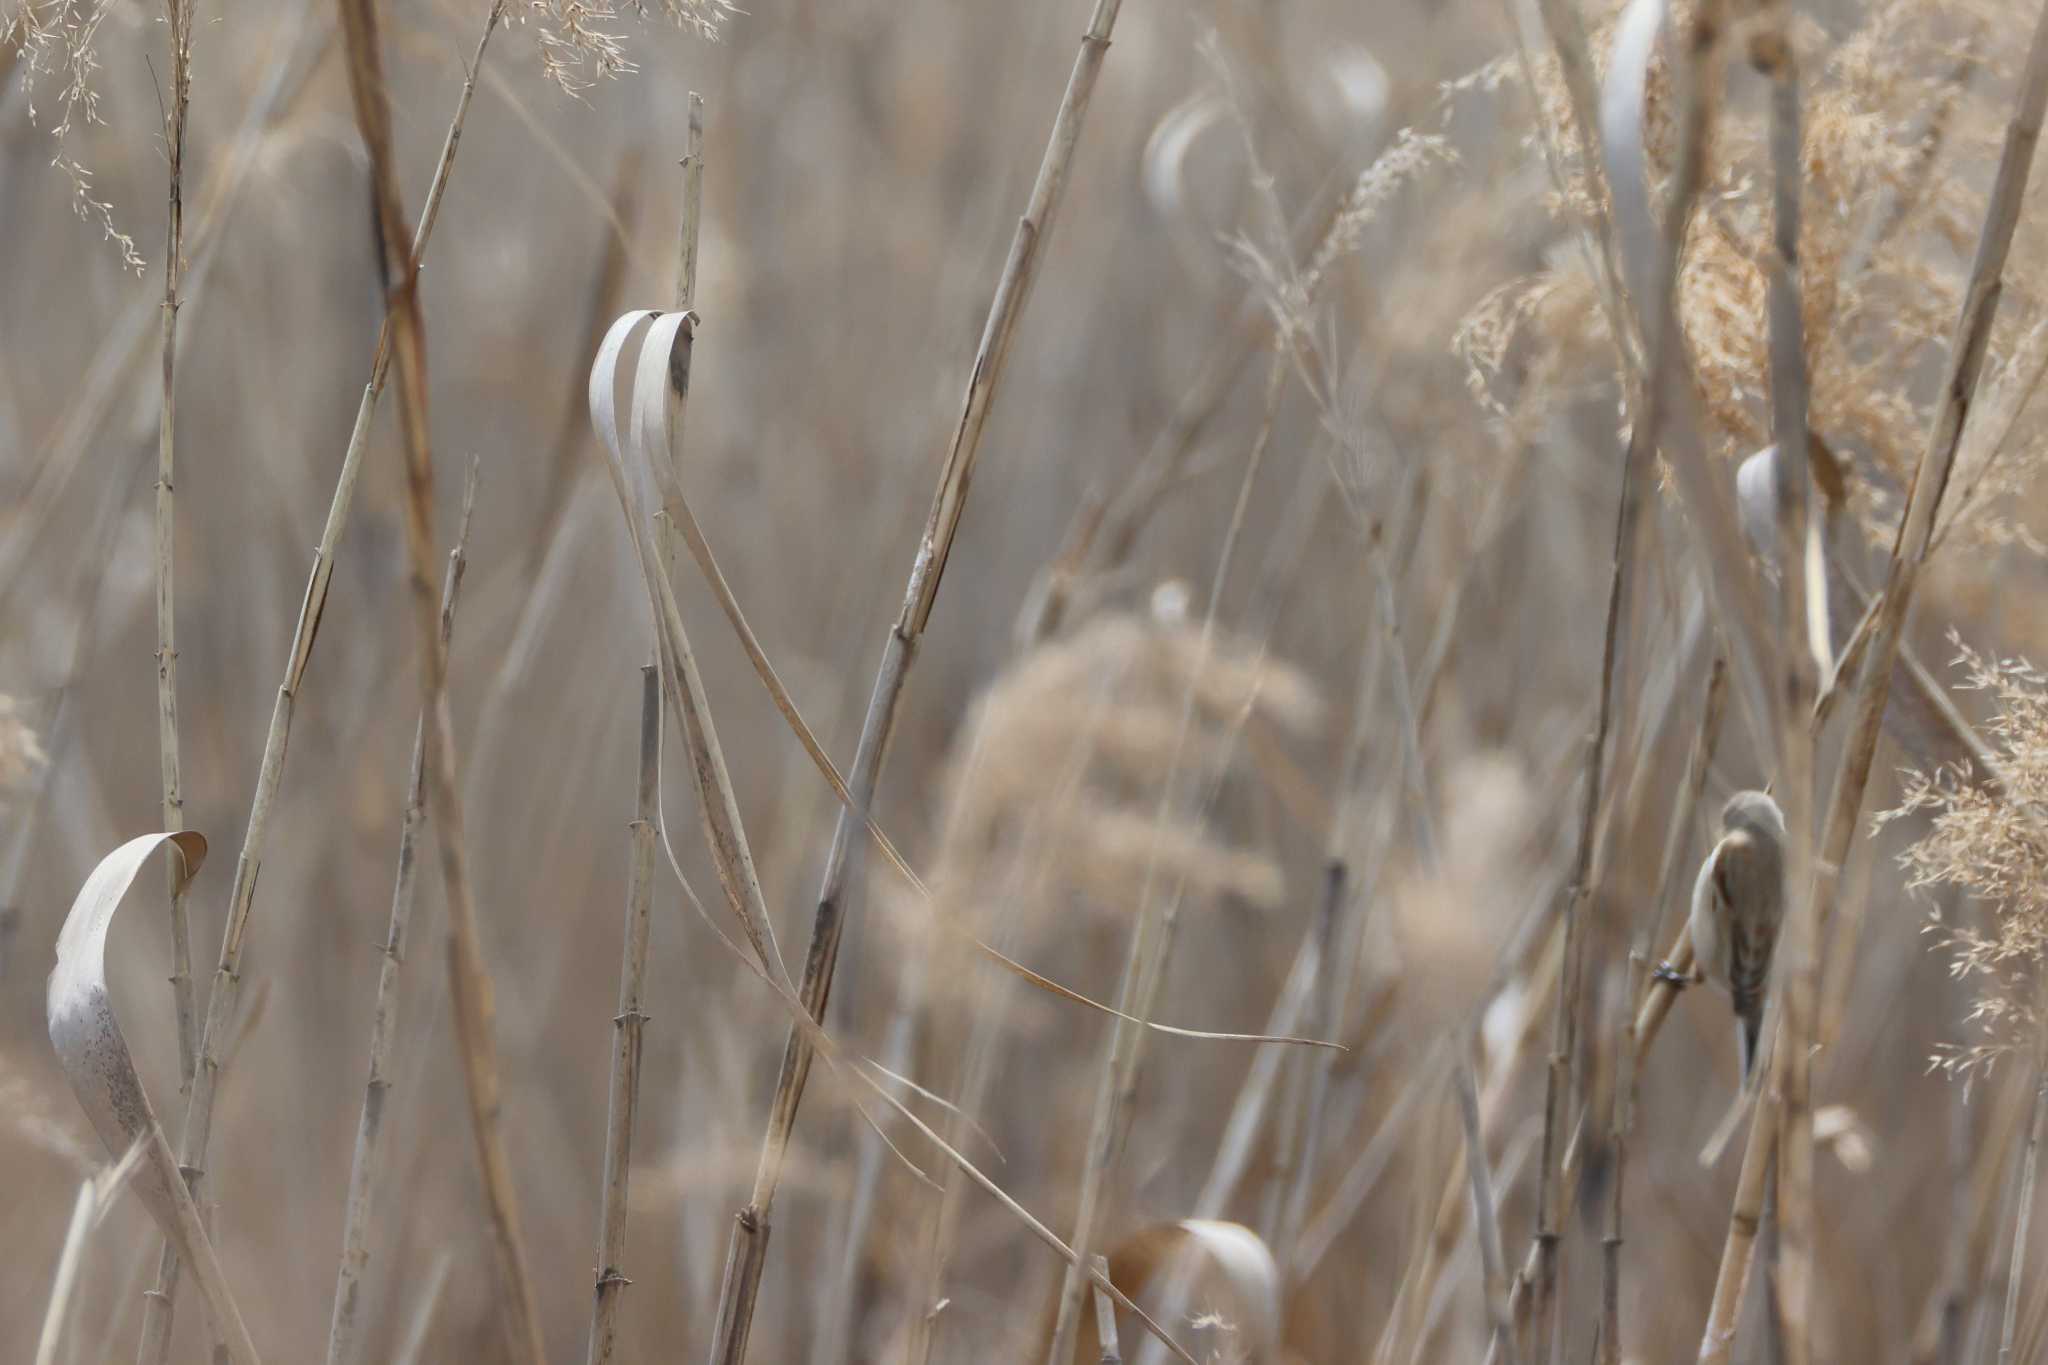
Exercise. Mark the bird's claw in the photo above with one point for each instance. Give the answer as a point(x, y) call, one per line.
point(1671, 976)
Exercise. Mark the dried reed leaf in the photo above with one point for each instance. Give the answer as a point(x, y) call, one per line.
point(1624, 117)
point(96, 1194)
point(655, 401)
point(643, 478)
point(829, 1051)
point(1225, 1270)
point(660, 380)
point(94, 1054)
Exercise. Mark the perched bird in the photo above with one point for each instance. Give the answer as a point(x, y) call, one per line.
point(1737, 904)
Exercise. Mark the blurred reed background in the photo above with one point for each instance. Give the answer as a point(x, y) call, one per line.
point(1340, 246)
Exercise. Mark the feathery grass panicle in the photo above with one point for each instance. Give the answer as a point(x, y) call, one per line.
point(1899, 135)
point(62, 37)
point(580, 45)
point(1989, 845)
point(1069, 744)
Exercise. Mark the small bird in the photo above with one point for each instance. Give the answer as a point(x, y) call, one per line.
point(1737, 903)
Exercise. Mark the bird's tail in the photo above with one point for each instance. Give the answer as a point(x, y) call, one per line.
point(1749, 1026)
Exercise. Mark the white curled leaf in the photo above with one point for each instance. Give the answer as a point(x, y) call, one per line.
point(1218, 1280)
point(1756, 504)
point(604, 415)
point(1623, 107)
point(659, 378)
point(94, 1054)
point(1163, 173)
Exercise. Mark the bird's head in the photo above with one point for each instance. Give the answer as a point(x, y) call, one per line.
point(1754, 812)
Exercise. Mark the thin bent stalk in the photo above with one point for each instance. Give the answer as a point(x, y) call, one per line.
point(1326, 1008)
point(718, 805)
point(469, 978)
point(1317, 989)
point(160, 1304)
point(1802, 586)
point(1540, 960)
point(748, 1247)
point(1333, 937)
point(630, 1022)
point(1484, 1213)
point(1105, 1320)
point(1665, 360)
point(979, 1062)
point(414, 1342)
point(693, 205)
point(178, 13)
point(1909, 553)
point(1305, 988)
point(365, 1169)
point(1939, 1335)
point(1638, 1026)
point(1578, 902)
point(1152, 938)
point(765, 966)
point(1669, 413)
point(1650, 1016)
point(1621, 1116)
point(2023, 1217)
point(1746, 1215)
point(628, 1025)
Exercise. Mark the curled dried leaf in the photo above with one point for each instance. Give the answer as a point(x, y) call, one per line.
point(94, 1054)
point(1223, 1271)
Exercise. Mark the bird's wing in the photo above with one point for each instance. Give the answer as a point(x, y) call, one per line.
point(1734, 858)
point(1746, 877)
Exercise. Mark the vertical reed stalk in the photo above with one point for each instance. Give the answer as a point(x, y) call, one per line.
point(1487, 1218)
point(1909, 553)
point(366, 1168)
point(1802, 584)
point(2023, 1216)
point(748, 1247)
point(627, 1027)
point(469, 977)
point(1665, 351)
point(160, 1304)
point(1944, 1318)
point(630, 1022)
point(1152, 937)
point(1105, 1320)
point(178, 16)
point(1326, 1010)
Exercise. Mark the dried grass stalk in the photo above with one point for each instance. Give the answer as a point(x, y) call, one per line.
point(469, 977)
point(1152, 938)
point(1484, 1213)
point(96, 1195)
point(366, 1166)
point(178, 21)
point(627, 1026)
point(1909, 552)
point(1804, 646)
point(1105, 1318)
point(220, 1001)
point(751, 1226)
